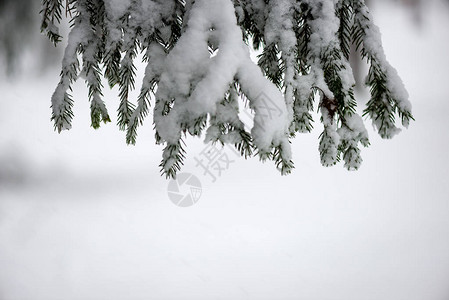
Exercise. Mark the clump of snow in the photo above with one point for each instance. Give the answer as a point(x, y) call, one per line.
point(198, 82)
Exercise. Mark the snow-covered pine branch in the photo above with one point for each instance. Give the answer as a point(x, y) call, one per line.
point(199, 72)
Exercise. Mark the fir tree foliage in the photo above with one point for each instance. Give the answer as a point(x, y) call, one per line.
point(199, 75)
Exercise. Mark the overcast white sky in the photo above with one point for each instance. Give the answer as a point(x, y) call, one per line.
point(83, 216)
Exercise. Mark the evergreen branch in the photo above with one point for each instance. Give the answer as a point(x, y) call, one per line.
point(271, 64)
point(113, 43)
point(173, 158)
point(344, 12)
point(351, 133)
point(126, 83)
point(112, 65)
point(154, 56)
point(226, 127)
point(303, 32)
point(283, 164)
point(251, 29)
point(388, 95)
point(62, 102)
point(139, 113)
point(329, 138)
point(92, 55)
point(304, 52)
point(302, 107)
point(328, 146)
point(127, 74)
point(98, 111)
point(304, 93)
point(381, 108)
point(333, 66)
point(245, 146)
point(62, 112)
point(176, 24)
point(351, 155)
point(51, 11)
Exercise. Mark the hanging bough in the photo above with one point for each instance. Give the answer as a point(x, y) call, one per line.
point(198, 70)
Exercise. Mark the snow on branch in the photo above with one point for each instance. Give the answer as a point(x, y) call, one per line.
point(199, 73)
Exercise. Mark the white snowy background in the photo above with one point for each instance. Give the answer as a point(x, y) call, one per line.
point(83, 216)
